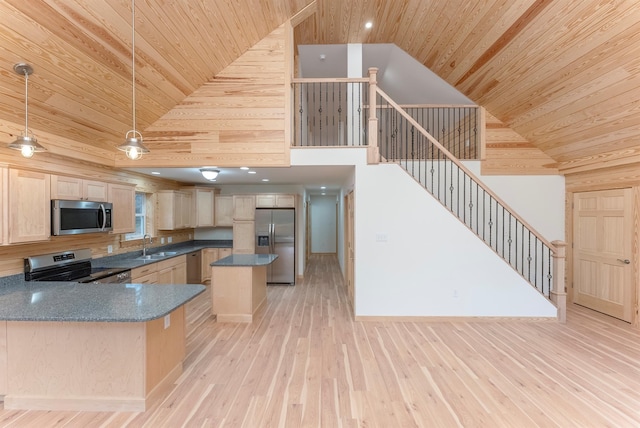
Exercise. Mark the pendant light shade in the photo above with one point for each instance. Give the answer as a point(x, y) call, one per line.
point(27, 143)
point(132, 145)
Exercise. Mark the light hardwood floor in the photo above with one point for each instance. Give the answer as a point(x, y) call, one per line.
point(305, 363)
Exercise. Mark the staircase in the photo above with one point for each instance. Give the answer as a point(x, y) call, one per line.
point(356, 112)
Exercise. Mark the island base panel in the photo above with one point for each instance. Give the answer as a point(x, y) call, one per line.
point(237, 292)
point(97, 366)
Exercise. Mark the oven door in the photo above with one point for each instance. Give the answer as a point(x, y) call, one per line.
point(76, 217)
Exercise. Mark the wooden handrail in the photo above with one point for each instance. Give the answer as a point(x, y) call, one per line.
point(331, 80)
point(453, 159)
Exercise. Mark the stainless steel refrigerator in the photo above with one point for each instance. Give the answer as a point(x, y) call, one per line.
point(275, 234)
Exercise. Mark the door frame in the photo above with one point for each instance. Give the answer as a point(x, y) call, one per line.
point(635, 246)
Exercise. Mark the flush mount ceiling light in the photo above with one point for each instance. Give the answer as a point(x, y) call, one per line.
point(368, 25)
point(132, 145)
point(27, 143)
point(209, 174)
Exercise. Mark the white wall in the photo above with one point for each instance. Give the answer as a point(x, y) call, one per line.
point(324, 224)
point(539, 199)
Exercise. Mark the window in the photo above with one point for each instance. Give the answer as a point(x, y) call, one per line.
point(141, 217)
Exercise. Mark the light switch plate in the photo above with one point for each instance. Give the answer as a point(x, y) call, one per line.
point(162, 240)
point(109, 249)
point(170, 240)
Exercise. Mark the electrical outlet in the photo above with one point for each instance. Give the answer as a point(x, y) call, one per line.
point(167, 321)
point(170, 240)
point(189, 237)
point(162, 240)
point(109, 249)
point(382, 237)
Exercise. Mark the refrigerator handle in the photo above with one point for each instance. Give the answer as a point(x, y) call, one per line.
point(272, 236)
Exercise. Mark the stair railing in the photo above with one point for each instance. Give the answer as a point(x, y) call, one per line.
point(401, 139)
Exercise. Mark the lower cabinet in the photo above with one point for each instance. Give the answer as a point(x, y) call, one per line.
point(172, 271)
point(209, 255)
point(169, 271)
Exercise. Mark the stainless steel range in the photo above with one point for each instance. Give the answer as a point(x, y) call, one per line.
point(73, 266)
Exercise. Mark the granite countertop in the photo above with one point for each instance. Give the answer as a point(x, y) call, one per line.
point(246, 260)
point(22, 300)
point(72, 301)
point(130, 260)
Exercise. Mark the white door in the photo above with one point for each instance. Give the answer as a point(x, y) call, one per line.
point(602, 252)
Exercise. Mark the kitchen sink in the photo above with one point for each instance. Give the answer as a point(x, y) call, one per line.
point(157, 255)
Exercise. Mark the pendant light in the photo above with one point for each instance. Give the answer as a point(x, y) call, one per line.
point(132, 145)
point(27, 144)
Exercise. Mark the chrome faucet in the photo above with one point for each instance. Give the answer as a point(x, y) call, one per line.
point(144, 244)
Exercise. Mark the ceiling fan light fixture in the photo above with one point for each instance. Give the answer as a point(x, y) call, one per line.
point(27, 143)
point(132, 146)
point(209, 174)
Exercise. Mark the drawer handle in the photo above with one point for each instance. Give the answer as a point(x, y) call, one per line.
point(625, 261)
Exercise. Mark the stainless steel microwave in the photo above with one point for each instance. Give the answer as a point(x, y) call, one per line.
point(76, 217)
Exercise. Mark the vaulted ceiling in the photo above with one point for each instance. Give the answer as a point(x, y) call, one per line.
point(564, 74)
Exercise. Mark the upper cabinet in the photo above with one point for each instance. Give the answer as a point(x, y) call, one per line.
point(224, 210)
point(123, 198)
point(244, 207)
point(175, 209)
point(72, 188)
point(204, 207)
point(275, 201)
point(28, 199)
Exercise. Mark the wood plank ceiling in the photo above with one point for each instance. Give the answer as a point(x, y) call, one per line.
point(564, 74)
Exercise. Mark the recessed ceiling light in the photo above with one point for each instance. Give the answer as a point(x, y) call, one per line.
point(251, 172)
point(368, 25)
point(323, 187)
point(244, 168)
point(265, 179)
point(155, 173)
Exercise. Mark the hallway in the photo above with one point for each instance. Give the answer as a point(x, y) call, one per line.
point(305, 362)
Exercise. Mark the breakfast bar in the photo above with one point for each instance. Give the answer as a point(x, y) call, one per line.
point(99, 347)
point(239, 286)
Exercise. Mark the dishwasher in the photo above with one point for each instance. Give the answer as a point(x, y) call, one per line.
point(194, 267)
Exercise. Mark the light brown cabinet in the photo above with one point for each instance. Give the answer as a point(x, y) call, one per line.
point(275, 201)
point(244, 237)
point(204, 210)
point(72, 188)
point(224, 252)
point(209, 255)
point(224, 211)
point(244, 207)
point(123, 198)
point(172, 271)
point(29, 207)
point(175, 209)
point(169, 271)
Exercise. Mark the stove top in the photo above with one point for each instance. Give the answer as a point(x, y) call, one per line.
point(72, 265)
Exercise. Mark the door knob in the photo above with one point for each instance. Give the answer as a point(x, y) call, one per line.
point(625, 261)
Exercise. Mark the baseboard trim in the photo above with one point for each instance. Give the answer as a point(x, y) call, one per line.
point(427, 319)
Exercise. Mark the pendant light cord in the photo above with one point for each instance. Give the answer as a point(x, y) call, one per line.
point(26, 103)
point(133, 61)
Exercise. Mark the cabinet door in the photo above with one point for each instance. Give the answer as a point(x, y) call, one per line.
point(165, 276)
point(186, 209)
point(244, 207)
point(166, 215)
point(285, 201)
point(94, 191)
point(224, 211)
point(224, 252)
point(29, 206)
point(209, 255)
point(69, 188)
point(204, 208)
point(265, 201)
point(123, 216)
point(151, 278)
point(244, 237)
point(179, 273)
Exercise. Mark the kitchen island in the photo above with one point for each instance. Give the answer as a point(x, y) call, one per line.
point(239, 286)
point(98, 347)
